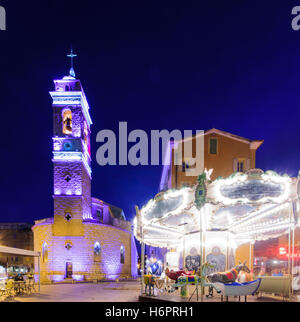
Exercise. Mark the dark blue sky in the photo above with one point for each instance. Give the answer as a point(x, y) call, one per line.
point(232, 65)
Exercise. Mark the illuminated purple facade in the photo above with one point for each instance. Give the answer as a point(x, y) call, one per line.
point(87, 238)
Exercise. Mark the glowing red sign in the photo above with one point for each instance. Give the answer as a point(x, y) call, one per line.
point(282, 251)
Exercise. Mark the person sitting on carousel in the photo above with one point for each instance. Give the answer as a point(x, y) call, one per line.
point(19, 277)
point(149, 281)
point(245, 277)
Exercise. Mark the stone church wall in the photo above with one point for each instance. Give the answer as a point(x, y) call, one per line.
point(85, 263)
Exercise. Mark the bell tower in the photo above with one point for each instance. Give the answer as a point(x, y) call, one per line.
point(71, 155)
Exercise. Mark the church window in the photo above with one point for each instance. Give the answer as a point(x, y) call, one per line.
point(185, 167)
point(97, 248)
point(67, 121)
point(100, 214)
point(68, 246)
point(213, 146)
point(68, 146)
point(122, 255)
point(45, 253)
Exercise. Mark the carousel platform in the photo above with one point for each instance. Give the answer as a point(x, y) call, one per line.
point(161, 298)
point(174, 298)
point(180, 299)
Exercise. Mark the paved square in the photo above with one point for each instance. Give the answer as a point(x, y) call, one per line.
point(84, 292)
point(128, 291)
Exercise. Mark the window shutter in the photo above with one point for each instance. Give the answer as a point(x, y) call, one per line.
point(235, 164)
point(213, 146)
point(247, 164)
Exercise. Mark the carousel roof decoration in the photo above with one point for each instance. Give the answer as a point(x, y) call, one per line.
point(255, 205)
point(252, 187)
point(161, 216)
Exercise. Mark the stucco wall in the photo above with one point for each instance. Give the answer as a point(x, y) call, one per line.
point(228, 149)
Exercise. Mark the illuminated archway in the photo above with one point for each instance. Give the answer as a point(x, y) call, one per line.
point(67, 121)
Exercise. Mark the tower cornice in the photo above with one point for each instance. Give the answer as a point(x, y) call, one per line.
point(63, 156)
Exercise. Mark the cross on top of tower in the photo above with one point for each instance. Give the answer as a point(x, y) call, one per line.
point(71, 56)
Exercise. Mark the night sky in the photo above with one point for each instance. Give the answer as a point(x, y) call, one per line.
point(232, 65)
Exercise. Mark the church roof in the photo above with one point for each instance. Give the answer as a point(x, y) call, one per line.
point(234, 136)
point(15, 225)
point(116, 212)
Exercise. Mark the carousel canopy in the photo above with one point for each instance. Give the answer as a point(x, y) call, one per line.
point(255, 205)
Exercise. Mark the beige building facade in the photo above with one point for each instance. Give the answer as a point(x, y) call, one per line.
point(223, 152)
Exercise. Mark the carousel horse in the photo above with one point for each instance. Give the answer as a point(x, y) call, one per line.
point(200, 279)
point(174, 275)
point(228, 276)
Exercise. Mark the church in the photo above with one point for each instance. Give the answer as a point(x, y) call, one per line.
point(87, 238)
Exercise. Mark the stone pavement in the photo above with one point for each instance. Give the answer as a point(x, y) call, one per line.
point(84, 292)
point(128, 291)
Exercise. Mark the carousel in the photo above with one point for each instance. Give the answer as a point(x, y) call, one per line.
point(207, 228)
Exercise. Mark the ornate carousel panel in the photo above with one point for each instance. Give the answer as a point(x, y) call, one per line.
point(168, 203)
point(192, 256)
point(219, 246)
point(253, 187)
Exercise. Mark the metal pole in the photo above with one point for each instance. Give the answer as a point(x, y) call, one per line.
point(201, 250)
point(293, 255)
point(183, 252)
point(203, 243)
point(141, 229)
point(142, 253)
point(227, 252)
point(294, 209)
point(289, 261)
point(142, 265)
point(250, 255)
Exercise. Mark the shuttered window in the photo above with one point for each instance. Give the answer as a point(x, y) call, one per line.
point(213, 146)
point(241, 166)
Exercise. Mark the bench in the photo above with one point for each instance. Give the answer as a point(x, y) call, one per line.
point(275, 285)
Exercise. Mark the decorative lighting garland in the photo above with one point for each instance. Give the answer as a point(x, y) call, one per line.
point(279, 226)
point(184, 192)
point(258, 215)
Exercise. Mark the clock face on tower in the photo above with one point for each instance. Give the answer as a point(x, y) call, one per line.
point(68, 145)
